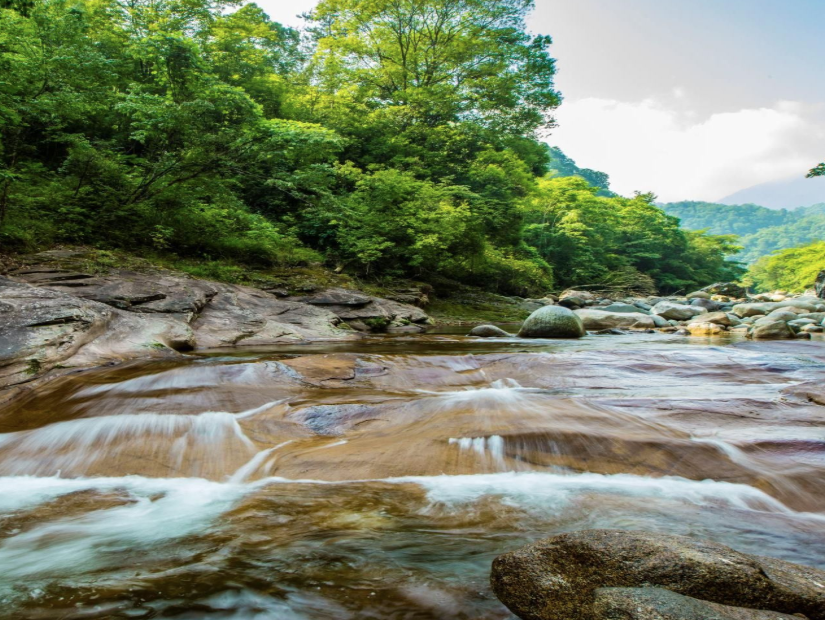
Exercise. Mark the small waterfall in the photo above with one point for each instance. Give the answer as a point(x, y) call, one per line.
point(489, 448)
point(75, 447)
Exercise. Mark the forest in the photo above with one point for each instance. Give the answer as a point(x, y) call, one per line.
point(761, 231)
point(388, 140)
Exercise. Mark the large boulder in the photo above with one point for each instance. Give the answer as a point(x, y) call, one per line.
point(676, 312)
point(595, 319)
point(560, 578)
point(488, 331)
point(552, 322)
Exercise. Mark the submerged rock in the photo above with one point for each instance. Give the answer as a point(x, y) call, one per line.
point(552, 322)
point(560, 578)
point(488, 331)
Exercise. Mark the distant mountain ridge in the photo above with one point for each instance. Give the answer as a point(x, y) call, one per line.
point(761, 231)
point(790, 193)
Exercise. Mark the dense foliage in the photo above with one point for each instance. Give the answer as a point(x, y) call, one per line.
point(761, 231)
point(393, 138)
point(793, 269)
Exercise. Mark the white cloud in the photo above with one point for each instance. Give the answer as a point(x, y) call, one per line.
point(667, 148)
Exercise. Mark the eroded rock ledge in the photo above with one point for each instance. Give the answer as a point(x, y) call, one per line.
point(52, 317)
point(618, 575)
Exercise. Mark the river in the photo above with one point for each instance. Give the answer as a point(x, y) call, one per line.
point(378, 479)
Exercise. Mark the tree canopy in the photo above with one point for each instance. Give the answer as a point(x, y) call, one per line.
point(391, 139)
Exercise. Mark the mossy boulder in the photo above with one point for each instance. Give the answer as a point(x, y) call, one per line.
point(552, 322)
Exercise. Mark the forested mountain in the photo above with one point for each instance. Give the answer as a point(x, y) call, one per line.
point(761, 231)
point(790, 193)
point(391, 139)
point(563, 166)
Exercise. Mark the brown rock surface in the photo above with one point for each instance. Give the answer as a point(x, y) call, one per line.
point(557, 579)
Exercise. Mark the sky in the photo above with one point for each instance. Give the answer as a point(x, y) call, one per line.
point(689, 99)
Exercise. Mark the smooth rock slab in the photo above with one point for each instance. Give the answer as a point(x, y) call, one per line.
point(557, 578)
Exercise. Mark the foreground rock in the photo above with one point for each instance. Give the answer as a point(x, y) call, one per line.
point(552, 322)
point(564, 578)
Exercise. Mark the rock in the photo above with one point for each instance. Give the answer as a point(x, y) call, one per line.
point(801, 322)
point(728, 289)
point(642, 305)
point(659, 321)
point(43, 328)
point(572, 302)
point(336, 297)
point(820, 285)
point(488, 331)
point(720, 318)
point(595, 319)
point(771, 330)
point(707, 304)
point(587, 296)
point(552, 322)
point(813, 329)
point(676, 312)
point(661, 604)
point(624, 308)
point(705, 329)
point(699, 295)
point(558, 578)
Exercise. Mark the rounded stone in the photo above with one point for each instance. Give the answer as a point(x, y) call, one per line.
point(552, 322)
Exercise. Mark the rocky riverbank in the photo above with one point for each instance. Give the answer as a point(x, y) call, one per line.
point(713, 311)
point(56, 315)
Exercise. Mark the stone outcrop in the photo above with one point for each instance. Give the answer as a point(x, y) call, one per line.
point(52, 316)
point(575, 577)
point(552, 322)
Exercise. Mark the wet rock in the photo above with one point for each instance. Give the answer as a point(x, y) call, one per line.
point(558, 578)
point(661, 604)
point(677, 312)
point(595, 320)
point(552, 322)
point(488, 331)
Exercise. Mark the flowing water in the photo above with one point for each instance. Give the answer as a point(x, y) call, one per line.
point(379, 479)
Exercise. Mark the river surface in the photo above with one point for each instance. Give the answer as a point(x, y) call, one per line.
point(378, 479)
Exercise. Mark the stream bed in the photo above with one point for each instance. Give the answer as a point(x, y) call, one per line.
point(378, 479)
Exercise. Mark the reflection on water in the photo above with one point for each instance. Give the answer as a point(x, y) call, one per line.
point(378, 479)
